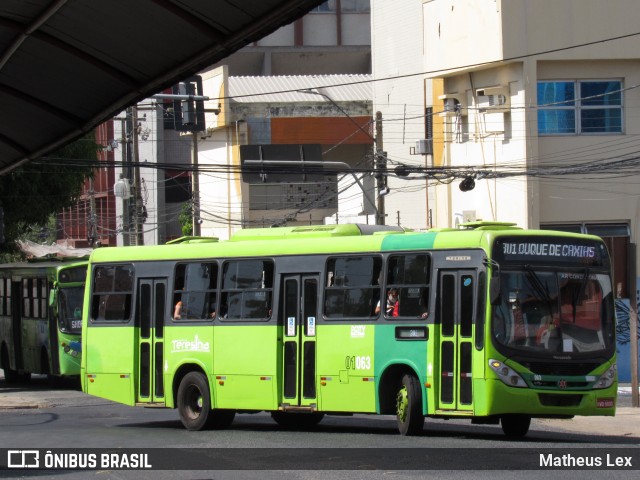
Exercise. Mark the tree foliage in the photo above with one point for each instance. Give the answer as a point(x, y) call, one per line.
point(32, 193)
point(186, 219)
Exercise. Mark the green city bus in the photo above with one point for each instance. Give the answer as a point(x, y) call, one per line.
point(41, 318)
point(492, 323)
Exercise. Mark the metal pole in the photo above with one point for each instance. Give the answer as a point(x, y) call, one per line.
point(381, 167)
point(633, 324)
point(195, 185)
point(126, 158)
point(92, 234)
point(136, 179)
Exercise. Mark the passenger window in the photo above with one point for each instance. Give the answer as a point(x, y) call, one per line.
point(352, 287)
point(112, 293)
point(408, 277)
point(247, 289)
point(195, 291)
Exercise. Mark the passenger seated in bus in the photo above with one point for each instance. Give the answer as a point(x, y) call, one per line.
point(177, 311)
point(392, 305)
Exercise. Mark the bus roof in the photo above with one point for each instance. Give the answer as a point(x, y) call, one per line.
point(322, 239)
point(43, 263)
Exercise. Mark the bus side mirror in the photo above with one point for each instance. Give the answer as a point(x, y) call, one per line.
point(495, 294)
point(53, 297)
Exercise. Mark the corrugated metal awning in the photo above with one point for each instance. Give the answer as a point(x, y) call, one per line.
point(68, 65)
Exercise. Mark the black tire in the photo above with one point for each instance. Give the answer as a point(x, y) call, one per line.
point(194, 401)
point(10, 376)
point(515, 426)
point(219, 419)
point(52, 380)
point(194, 405)
point(409, 406)
point(297, 421)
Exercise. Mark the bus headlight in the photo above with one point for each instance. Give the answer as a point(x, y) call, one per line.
point(507, 374)
point(607, 378)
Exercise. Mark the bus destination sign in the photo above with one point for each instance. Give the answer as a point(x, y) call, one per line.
point(550, 250)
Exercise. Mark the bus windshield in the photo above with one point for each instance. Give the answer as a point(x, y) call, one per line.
point(551, 313)
point(70, 309)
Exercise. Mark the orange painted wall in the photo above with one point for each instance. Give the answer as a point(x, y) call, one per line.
point(323, 130)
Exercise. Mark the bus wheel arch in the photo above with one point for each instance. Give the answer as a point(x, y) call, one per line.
point(193, 398)
point(390, 384)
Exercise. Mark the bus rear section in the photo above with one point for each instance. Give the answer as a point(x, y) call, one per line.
point(41, 319)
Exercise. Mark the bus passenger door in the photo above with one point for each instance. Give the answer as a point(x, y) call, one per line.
point(16, 325)
point(299, 314)
point(151, 312)
point(453, 373)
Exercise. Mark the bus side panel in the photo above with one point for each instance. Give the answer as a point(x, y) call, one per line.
point(245, 366)
point(6, 334)
point(110, 363)
point(187, 345)
point(35, 335)
point(68, 357)
point(411, 352)
point(345, 366)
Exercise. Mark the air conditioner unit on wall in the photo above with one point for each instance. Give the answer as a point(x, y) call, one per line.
point(452, 104)
point(493, 99)
point(424, 146)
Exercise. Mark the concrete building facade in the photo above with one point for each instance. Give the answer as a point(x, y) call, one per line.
point(542, 91)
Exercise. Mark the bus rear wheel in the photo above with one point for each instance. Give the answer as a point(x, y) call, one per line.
point(194, 405)
point(300, 421)
point(515, 426)
point(12, 376)
point(409, 406)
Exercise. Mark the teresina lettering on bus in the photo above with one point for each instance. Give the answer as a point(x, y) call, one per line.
point(195, 345)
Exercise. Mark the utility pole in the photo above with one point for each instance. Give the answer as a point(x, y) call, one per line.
point(137, 221)
point(381, 171)
point(195, 186)
point(126, 171)
point(92, 232)
point(633, 324)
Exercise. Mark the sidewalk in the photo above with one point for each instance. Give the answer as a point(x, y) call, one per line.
point(626, 423)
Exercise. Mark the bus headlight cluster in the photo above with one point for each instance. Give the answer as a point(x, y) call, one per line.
point(507, 374)
point(607, 378)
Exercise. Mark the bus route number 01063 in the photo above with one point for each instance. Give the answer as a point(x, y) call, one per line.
point(356, 362)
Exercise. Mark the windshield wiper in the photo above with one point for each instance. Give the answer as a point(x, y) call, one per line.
point(542, 290)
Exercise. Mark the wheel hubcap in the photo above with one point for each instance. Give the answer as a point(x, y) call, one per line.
point(402, 404)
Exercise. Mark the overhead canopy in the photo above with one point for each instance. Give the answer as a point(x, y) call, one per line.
point(68, 65)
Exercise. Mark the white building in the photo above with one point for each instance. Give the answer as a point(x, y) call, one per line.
point(522, 87)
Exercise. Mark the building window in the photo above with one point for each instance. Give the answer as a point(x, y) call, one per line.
point(327, 7)
point(579, 107)
point(355, 6)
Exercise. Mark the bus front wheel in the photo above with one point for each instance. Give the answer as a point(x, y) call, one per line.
point(409, 406)
point(515, 426)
